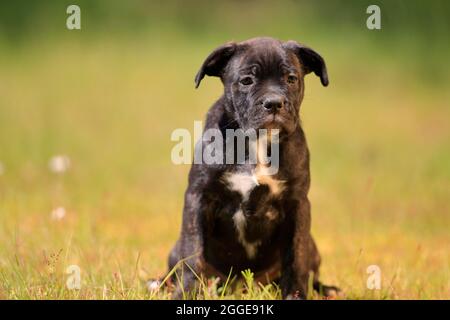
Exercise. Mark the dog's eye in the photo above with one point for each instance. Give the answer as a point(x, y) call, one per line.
point(292, 79)
point(246, 81)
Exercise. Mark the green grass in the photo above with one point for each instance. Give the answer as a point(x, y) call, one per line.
point(379, 140)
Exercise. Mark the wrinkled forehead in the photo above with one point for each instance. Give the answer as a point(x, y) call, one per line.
point(266, 58)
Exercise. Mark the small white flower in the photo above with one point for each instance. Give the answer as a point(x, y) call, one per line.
point(59, 164)
point(58, 213)
point(153, 285)
point(2, 169)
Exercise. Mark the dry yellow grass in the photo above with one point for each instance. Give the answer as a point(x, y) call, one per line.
point(380, 172)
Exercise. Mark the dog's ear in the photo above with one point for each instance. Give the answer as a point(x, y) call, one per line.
point(311, 60)
point(215, 62)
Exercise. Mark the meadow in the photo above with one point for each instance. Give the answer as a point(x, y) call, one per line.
point(379, 138)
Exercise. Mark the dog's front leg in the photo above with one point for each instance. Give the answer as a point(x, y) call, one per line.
point(187, 255)
point(297, 260)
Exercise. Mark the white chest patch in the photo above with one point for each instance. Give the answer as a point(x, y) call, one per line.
point(244, 183)
point(241, 182)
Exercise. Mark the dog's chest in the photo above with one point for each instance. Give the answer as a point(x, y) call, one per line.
point(245, 182)
point(259, 208)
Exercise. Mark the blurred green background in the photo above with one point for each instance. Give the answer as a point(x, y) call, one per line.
point(109, 95)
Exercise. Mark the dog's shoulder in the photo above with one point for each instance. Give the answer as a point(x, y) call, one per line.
point(200, 174)
point(219, 117)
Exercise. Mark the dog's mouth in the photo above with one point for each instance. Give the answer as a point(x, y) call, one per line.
point(273, 121)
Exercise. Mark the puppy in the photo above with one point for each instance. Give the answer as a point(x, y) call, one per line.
point(236, 215)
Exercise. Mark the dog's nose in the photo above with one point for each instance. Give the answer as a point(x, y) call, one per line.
point(273, 103)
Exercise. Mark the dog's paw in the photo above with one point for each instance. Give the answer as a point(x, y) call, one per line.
point(295, 296)
point(331, 292)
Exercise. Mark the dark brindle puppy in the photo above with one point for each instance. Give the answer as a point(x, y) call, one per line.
point(235, 218)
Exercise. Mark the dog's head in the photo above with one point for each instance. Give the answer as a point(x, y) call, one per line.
point(264, 80)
